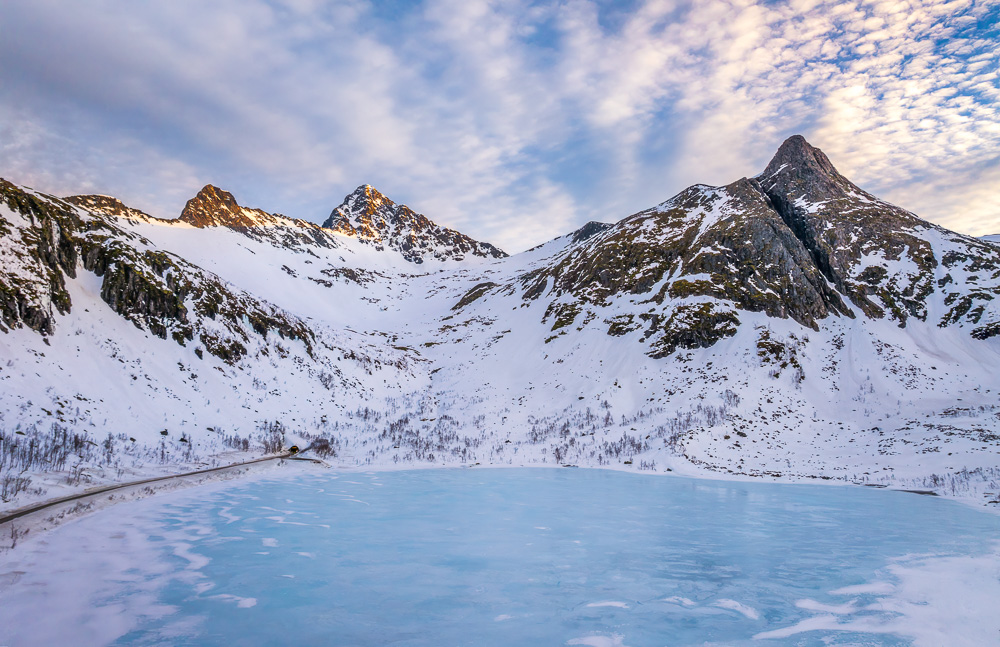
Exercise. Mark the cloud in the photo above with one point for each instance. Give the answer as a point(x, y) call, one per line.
point(511, 120)
point(56, 163)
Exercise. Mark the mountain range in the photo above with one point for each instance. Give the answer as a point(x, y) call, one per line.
point(787, 325)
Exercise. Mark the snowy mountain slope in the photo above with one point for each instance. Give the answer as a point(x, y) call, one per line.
point(155, 290)
point(378, 221)
point(136, 341)
point(787, 325)
point(859, 399)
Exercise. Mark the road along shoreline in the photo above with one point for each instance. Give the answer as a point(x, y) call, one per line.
point(17, 524)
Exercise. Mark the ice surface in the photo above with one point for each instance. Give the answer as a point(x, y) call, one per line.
point(511, 557)
point(738, 607)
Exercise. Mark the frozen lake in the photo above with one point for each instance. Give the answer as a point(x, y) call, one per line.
point(510, 557)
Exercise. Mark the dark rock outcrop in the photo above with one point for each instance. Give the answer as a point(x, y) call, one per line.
point(840, 224)
point(213, 207)
point(38, 254)
point(590, 230)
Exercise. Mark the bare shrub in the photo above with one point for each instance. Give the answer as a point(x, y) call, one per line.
point(272, 436)
point(11, 486)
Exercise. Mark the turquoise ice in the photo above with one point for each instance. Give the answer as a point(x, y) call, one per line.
point(534, 557)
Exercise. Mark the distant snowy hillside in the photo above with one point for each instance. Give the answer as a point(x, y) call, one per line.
point(788, 325)
point(992, 238)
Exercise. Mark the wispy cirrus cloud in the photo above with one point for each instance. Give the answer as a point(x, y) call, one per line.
point(512, 120)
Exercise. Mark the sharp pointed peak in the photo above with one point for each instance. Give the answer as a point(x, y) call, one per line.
point(800, 168)
point(212, 193)
point(797, 141)
point(374, 219)
point(369, 192)
point(797, 153)
point(207, 207)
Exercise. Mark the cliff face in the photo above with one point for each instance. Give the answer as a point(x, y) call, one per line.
point(38, 245)
point(872, 251)
point(378, 221)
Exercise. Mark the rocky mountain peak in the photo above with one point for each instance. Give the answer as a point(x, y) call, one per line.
point(373, 218)
point(800, 168)
point(796, 151)
point(840, 225)
point(213, 207)
point(590, 230)
point(370, 196)
point(366, 212)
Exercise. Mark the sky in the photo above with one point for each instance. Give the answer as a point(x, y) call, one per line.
point(512, 121)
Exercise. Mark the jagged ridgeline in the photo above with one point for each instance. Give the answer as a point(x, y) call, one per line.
point(798, 241)
point(45, 239)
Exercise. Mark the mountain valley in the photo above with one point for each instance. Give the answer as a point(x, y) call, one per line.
point(786, 326)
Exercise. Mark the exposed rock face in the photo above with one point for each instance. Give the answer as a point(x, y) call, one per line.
point(213, 207)
point(378, 221)
point(691, 263)
point(750, 257)
point(726, 243)
point(37, 248)
point(844, 227)
point(590, 230)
